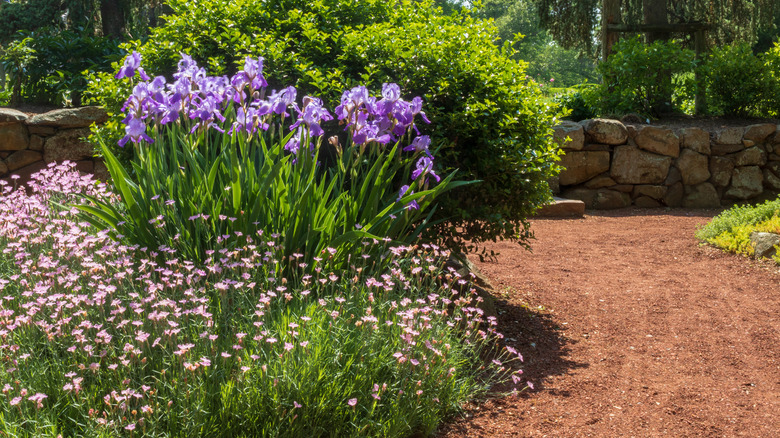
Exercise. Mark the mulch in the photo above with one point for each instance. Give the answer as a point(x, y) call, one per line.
point(630, 327)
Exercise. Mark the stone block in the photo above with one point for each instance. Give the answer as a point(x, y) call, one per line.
point(730, 135)
point(600, 181)
point(701, 195)
point(649, 191)
point(606, 199)
point(673, 176)
point(580, 166)
point(571, 130)
point(13, 137)
point(605, 131)
point(747, 182)
point(674, 196)
point(36, 143)
point(695, 139)
point(43, 131)
point(562, 208)
point(721, 169)
point(68, 144)
point(585, 195)
point(764, 244)
point(630, 165)
point(646, 202)
point(754, 156)
point(771, 180)
point(10, 115)
point(70, 117)
point(725, 149)
point(661, 141)
point(760, 132)
point(693, 166)
point(596, 147)
point(20, 159)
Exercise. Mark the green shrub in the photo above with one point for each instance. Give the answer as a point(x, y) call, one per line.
point(740, 215)
point(634, 78)
point(487, 120)
point(740, 83)
point(57, 75)
point(577, 102)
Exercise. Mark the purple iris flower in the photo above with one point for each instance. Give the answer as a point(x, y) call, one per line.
point(135, 130)
point(420, 144)
point(132, 63)
point(403, 192)
point(425, 166)
point(312, 114)
point(253, 69)
point(279, 101)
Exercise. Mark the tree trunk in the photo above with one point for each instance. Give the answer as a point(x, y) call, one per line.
point(112, 13)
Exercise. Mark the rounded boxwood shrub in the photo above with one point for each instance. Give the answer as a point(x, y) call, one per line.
point(486, 119)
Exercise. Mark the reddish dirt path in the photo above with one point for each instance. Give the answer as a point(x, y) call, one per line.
point(642, 333)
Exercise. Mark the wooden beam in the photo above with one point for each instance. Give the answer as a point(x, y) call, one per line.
point(643, 28)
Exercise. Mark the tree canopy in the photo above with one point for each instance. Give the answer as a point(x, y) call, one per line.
point(576, 23)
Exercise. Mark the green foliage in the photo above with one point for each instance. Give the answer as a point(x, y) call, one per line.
point(740, 83)
point(546, 59)
point(633, 77)
point(577, 102)
point(61, 58)
point(739, 216)
point(488, 120)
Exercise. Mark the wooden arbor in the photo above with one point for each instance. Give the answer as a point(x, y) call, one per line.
point(612, 28)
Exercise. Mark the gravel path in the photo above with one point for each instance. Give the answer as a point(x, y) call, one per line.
point(631, 328)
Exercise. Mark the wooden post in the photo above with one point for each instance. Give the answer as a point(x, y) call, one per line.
point(609, 37)
point(700, 105)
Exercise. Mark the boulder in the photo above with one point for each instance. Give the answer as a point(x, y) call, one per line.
point(555, 184)
point(649, 191)
point(630, 165)
point(605, 131)
point(20, 159)
point(774, 166)
point(701, 195)
point(587, 196)
point(43, 131)
point(721, 169)
point(562, 208)
point(747, 182)
point(674, 196)
point(600, 181)
point(68, 145)
point(694, 167)
point(606, 199)
point(596, 147)
point(725, 149)
point(771, 180)
point(662, 141)
point(673, 176)
point(754, 156)
point(580, 166)
point(764, 244)
point(646, 202)
point(9, 115)
point(3, 168)
point(13, 137)
point(100, 170)
point(574, 132)
point(25, 172)
point(730, 135)
point(36, 143)
point(695, 139)
point(760, 132)
point(70, 117)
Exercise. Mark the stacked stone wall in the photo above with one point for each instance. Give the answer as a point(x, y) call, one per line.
point(611, 165)
point(30, 143)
